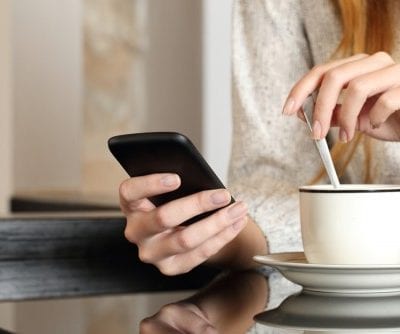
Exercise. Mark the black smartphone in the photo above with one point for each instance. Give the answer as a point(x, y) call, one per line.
point(166, 152)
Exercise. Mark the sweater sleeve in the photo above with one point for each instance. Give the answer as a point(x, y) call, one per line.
point(271, 154)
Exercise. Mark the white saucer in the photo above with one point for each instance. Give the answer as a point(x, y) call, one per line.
point(335, 279)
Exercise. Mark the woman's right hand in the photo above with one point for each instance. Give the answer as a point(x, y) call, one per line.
point(370, 89)
point(157, 232)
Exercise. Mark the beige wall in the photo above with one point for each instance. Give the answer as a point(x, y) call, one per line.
point(216, 113)
point(112, 74)
point(6, 123)
point(49, 123)
point(173, 67)
point(143, 72)
point(47, 94)
point(7, 310)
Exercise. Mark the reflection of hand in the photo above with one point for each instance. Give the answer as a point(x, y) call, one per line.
point(227, 305)
point(176, 249)
point(176, 319)
point(371, 101)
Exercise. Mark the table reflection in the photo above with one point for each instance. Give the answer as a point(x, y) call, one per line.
point(316, 313)
point(227, 305)
point(238, 302)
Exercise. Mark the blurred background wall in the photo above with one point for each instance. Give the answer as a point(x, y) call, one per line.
point(75, 72)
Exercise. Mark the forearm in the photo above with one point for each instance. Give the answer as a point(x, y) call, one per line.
point(238, 254)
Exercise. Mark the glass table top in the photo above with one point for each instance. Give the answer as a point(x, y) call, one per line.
point(255, 302)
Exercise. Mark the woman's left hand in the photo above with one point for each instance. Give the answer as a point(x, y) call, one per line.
point(178, 318)
point(369, 87)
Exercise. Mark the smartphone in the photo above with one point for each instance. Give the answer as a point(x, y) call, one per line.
point(166, 152)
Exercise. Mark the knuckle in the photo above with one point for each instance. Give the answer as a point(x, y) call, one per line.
point(183, 240)
point(206, 252)
point(384, 57)
point(125, 189)
point(161, 218)
point(146, 326)
point(168, 270)
point(222, 218)
point(318, 69)
point(357, 88)
point(334, 76)
point(169, 310)
point(201, 200)
point(129, 234)
point(384, 102)
point(145, 255)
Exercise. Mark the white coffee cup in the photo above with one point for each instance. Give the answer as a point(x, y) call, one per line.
point(353, 224)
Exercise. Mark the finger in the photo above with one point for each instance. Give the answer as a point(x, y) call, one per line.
point(310, 82)
point(186, 239)
point(334, 80)
point(184, 319)
point(141, 187)
point(172, 214)
point(178, 211)
point(362, 88)
point(153, 325)
point(184, 262)
point(386, 105)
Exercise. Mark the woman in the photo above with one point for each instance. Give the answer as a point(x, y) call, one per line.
point(274, 44)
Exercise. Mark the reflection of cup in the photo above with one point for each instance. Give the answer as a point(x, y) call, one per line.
point(353, 224)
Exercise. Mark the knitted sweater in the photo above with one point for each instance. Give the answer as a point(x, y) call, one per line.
point(274, 44)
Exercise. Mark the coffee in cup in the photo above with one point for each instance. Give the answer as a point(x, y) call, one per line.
point(353, 224)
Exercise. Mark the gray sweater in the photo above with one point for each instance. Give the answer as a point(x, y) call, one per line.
point(274, 43)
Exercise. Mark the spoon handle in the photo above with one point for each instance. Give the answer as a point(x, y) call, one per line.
point(322, 145)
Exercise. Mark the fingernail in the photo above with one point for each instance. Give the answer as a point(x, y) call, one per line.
point(316, 130)
point(220, 197)
point(288, 107)
point(237, 210)
point(343, 135)
point(170, 180)
point(238, 225)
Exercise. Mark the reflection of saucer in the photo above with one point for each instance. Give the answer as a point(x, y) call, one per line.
point(337, 279)
point(320, 312)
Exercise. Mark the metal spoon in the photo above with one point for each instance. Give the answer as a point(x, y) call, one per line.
point(321, 144)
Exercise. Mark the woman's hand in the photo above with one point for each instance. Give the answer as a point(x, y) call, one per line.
point(176, 249)
point(369, 86)
point(178, 318)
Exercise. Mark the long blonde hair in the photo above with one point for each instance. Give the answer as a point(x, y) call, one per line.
point(367, 28)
